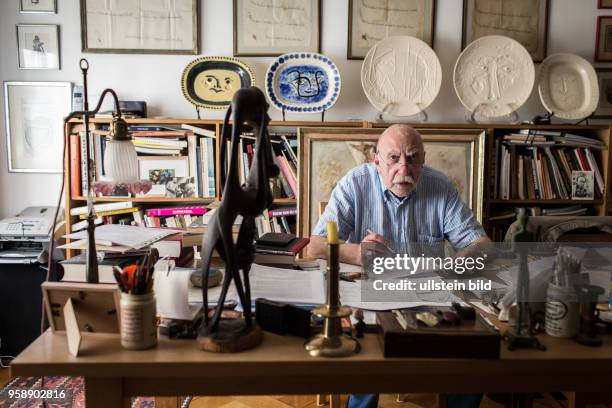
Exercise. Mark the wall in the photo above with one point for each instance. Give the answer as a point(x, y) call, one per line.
point(155, 78)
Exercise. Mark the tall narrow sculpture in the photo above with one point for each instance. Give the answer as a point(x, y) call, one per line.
point(248, 108)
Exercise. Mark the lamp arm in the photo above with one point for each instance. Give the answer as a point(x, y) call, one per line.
point(90, 113)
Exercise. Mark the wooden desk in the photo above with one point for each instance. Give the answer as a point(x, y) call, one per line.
point(281, 366)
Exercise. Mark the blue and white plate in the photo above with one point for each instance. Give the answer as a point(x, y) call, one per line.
point(303, 83)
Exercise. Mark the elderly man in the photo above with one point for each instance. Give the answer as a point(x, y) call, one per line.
point(397, 201)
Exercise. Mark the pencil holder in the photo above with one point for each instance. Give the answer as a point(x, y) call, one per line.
point(138, 321)
point(562, 311)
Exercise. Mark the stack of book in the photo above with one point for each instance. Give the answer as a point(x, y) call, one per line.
point(174, 217)
point(275, 248)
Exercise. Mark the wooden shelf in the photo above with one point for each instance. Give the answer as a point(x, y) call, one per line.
point(545, 202)
point(285, 201)
point(147, 199)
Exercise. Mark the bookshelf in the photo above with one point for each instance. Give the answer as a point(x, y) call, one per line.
point(493, 206)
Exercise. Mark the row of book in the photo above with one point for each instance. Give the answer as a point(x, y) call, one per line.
point(284, 154)
point(195, 145)
point(542, 171)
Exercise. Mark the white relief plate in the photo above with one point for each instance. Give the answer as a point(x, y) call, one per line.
point(401, 75)
point(494, 76)
point(568, 86)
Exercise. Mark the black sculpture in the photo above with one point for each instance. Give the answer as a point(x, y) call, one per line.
point(249, 107)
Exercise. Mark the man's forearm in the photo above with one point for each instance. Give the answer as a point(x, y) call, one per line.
point(349, 253)
point(476, 248)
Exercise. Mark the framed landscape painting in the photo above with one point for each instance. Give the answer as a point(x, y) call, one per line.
point(327, 154)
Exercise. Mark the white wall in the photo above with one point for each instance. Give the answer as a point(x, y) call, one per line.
point(156, 78)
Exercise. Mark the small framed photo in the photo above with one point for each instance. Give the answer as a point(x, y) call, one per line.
point(35, 113)
point(583, 185)
point(38, 46)
point(38, 6)
point(162, 171)
point(603, 45)
point(272, 28)
point(181, 187)
point(604, 4)
point(604, 108)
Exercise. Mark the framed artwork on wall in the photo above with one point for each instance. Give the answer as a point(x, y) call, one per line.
point(38, 46)
point(271, 28)
point(604, 108)
point(603, 43)
point(370, 21)
point(526, 21)
point(604, 4)
point(38, 6)
point(35, 112)
point(327, 154)
point(140, 27)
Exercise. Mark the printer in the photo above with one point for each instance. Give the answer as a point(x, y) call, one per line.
point(24, 241)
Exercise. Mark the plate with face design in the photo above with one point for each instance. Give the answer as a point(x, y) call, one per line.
point(210, 82)
point(568, 86)
point(494, 76)
point(303, 82)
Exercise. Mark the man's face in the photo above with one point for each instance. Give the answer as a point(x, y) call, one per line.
point(399, 161)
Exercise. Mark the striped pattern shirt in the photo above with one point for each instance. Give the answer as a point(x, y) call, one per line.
point(432, 212)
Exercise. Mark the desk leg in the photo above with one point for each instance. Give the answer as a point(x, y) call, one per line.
point(105, 392)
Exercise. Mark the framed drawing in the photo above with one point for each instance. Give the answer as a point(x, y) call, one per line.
point(603, 44)
point(604, 4)
point(370, 21)
point(35, 112)
point(140, 27)
point(164, 172)
point(38, 46)
point(326, 154)
point(604, 107)
point(526, 21)
point(272, 28)
point(38, 6)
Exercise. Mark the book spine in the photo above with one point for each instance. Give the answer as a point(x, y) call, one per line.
point(192, 143)
point(198, 160)
point(282, 212)
point(111, 212)
point(164, 212)
point(156, 133)
point(284, 167)
point(210, 144)
point(102, 207)
point(75, 166)
point(84, 167)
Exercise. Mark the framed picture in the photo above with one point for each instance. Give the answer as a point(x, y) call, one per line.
point(370, 21)
point(38, 6)
point(327, 154)
point(583, 185)
point(603, 45)
point(272, 28)
point(604, 4)
point(35, 113)
point(140, 27)
point(163, 172)
point(38, 46)
point(526, 21)
point(604, 108)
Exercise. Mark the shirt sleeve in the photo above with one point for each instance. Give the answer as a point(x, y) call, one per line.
point(340, 208)
point(460, 225)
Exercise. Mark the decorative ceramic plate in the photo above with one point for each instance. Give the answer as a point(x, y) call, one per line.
point(303, 82)
point(494, 76)
point(568, 86)
point(401, 75)
point(210, 82)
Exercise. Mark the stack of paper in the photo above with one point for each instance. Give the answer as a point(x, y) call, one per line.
point(117, 237)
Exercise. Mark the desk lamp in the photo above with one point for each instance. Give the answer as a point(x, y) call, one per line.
point(120, 163)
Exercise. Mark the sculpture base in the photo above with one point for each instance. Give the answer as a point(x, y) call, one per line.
point(517, 341)
point(231, 336)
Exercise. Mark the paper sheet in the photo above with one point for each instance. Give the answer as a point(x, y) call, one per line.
point(287, 285)
point(126, 235)
point(171, 293)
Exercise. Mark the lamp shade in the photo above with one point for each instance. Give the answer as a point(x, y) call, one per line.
point(120, 161)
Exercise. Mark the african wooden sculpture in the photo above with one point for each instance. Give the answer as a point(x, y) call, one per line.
point(249, 108)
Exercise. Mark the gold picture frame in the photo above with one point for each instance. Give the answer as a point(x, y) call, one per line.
point(326, 154)
point(603, 41)
point(370, 21)
point(138, 27)
point(525, 21)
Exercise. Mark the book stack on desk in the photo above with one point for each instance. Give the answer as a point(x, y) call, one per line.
point(278, 248)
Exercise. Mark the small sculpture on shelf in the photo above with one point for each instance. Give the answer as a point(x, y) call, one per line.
point(249, 107)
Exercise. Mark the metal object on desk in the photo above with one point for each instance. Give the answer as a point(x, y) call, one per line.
point(249, 107)
point(332, 343)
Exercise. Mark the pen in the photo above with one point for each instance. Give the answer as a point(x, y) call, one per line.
point(383, 244)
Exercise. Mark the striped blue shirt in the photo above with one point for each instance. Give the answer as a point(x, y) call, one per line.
point(432, 212)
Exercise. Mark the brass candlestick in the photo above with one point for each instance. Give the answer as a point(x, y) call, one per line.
point(332, 343)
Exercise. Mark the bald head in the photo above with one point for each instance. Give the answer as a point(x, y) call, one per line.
point(399, 158)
